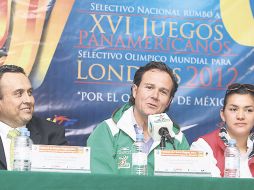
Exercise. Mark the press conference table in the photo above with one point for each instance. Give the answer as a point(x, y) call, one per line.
point(77, 181)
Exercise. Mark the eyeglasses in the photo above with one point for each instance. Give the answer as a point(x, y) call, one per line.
point(237, 86)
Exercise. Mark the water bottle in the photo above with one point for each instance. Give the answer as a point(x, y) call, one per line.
point(139, 156)
point(22, 151)
point(232, 160)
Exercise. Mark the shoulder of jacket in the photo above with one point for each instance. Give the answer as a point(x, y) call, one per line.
point(178, 133)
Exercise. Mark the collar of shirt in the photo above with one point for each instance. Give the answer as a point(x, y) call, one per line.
point(4, 129)
point(137, 128)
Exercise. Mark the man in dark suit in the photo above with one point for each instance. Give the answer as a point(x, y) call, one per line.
point(16, 110)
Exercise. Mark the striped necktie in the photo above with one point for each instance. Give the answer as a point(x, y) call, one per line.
point(11, 135)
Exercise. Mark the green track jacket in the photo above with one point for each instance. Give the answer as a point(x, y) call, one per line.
point(111, 143)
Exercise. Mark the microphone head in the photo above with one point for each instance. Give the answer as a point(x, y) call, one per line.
point(163, 131)
point(156, 122)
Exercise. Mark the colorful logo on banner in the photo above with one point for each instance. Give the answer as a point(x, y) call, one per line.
point(63, 120)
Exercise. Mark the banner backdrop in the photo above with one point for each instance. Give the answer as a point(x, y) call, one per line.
point(81, 55)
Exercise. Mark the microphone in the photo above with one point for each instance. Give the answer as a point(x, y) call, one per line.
point(160, 125)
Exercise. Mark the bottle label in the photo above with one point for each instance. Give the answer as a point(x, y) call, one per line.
point(231, 163)
point(139, 158)
point(22, 153)
point(232, 167)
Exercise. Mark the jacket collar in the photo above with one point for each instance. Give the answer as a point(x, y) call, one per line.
point(126, 124)
point(3, 164)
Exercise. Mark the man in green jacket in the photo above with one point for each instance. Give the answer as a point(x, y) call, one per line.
point(153, 89)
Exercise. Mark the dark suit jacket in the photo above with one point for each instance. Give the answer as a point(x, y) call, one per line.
point(41, 132)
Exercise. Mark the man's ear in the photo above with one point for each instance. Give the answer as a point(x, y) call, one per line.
point(134, 89)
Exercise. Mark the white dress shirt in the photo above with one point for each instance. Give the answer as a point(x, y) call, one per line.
point(4, 130)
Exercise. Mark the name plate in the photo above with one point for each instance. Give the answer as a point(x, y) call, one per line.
point(181, 163)
point(60, 158)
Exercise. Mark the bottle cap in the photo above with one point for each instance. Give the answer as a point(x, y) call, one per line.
point(231, 141)
point(24, 131)
point(140, 136)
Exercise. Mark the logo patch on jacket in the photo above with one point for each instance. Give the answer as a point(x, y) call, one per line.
point(123, 155)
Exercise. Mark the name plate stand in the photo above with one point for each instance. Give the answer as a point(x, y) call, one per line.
point(181, 163)
point(60, 158)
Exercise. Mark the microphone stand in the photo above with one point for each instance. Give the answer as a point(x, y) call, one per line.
point(163, 131)
point(163, 142)
point(171, 140)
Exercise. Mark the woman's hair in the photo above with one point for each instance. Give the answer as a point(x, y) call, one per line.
point(237, 88)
